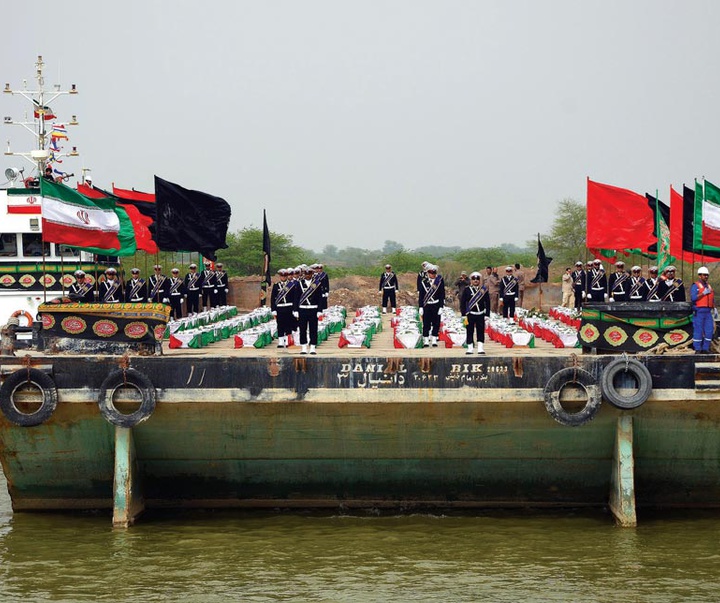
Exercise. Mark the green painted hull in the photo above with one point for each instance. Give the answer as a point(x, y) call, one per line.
point(403, 447)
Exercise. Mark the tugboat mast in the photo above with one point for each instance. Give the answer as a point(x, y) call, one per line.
point(41, 99)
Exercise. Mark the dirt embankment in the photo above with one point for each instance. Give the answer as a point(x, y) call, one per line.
point(356, 291)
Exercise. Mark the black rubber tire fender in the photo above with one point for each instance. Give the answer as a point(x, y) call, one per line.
point(134, 378)
point(586, 381)
point(39, 379)
point(641, 374)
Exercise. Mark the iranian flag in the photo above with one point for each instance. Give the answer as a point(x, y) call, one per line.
point(95, 225)
point(707, 216)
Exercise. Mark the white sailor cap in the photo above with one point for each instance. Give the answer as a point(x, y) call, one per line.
point(620, 263)
point(653, 269)
point(174, 270)
point(425, 265)
point(110, 270)
point(388, 266)
point(635, 268)
point(596, 261)
point(135, 270)
point(219, 265)
point(669, 269)
point(508, 268)
point(432, 268)
point(79, 273)
point(578, 263)
point(157, 267)
point(475, 275)
point(193, 266)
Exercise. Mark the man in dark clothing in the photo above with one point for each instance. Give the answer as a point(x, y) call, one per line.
point(431, 299)
point(475, 306)
point(388, 286)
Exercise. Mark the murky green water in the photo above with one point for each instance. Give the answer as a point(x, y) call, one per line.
point(240, 556)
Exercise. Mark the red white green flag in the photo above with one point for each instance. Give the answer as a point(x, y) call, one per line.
point(95, 225)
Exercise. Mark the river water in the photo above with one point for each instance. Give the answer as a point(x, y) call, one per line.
point(250, 556)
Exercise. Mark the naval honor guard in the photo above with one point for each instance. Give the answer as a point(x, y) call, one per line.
point(135, 288)
point(388, 286)
point(475, 306)
point(110, 290)
point(157, 289)
point(81, 290)
point(192, 289)
point(431, 299)
point(175, 293)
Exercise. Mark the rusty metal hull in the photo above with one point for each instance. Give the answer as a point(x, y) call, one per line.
point(370, 431)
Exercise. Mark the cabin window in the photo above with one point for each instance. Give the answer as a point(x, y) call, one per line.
point(8, 245)
point(66, 252)
point(33, 245)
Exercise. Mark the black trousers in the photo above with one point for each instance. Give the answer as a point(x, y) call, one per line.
point(508, 306)
point(207, 297)
point(193, 301)
point(285, 322)
point(475, 325)
point(388, 295)
point(578, 291)
point(176, 306)
point(308, 322)
point(431, 320)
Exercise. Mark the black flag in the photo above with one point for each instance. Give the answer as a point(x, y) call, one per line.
point(543, 264)
point(266, 267)
point(190, 220)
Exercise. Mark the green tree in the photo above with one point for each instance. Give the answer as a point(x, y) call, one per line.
point(244, 255)
point(566, 241)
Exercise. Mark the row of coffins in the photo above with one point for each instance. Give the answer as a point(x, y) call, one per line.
point(220, 323)
point(570, 316)
point(332, 320)
point(360, 332)
point(553, 330)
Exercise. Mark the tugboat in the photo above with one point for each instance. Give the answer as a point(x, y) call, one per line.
point(85, 428)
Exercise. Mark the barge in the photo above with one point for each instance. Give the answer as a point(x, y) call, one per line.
point(349, 428)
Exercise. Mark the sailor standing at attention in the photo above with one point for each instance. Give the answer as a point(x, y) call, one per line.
point(509, 293)
point(283, 298)
point(308, 309)
point(81, 290)
point(135, 288)
point(422, 276)
point(110, 290)
point(619, 283)
point(671, 289)
point(323, 281)
point(637, 285)
point(475, 306)
point(703, 300)
point(157, 288)
point(175, 293)
point(652, 284)
point(192, 289)
point(208, 285)
point(221, 282)
point(579, 280)
point(598, 283)
point(388, 286)
point(431, 299)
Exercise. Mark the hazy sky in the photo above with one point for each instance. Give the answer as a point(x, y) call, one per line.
point(352, 123)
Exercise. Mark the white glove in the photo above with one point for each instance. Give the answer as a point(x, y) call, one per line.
point(296, 315)
point(214, 290)
point(517, 299)
point(226, 291)
point(182, 300)
point(421, 311)
point(612, 299)
point(606, 297)
point(274, 313)
point(319, 314)
point(149, 299)
point(166, 300)
point(589, 295)
point(584, 294)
